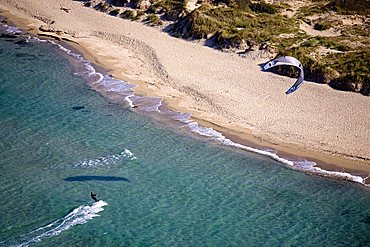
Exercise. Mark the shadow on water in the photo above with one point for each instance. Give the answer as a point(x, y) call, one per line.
point(95, 178)
point(366, 220)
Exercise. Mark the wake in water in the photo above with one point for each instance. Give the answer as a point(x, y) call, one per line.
point(107, 160)
point(78, 216)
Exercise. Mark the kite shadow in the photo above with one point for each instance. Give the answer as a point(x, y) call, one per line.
point(95, 178)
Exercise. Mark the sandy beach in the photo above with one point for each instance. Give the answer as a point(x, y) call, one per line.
point(221, 90)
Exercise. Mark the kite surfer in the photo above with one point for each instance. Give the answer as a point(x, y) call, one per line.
point(93, 196)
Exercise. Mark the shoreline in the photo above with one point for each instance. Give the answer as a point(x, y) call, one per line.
point(174, 102)
point(244, 137)
point(290, 152)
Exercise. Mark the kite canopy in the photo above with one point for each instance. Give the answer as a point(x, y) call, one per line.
point(287, 60)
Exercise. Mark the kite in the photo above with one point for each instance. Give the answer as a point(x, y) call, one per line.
point(287, 60)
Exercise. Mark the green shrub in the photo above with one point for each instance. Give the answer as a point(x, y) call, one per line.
point(128, 14)
point(114, 12)
point(172, 7)
point(323, 25)
point(102, 6)
point(318, 8)
point(356, 31)
point(228, 39)
point(139, 14)
point(350, 7)
point(240, 4)
point(354, 69)
point(234, 24)
point(154, 20)
point(262, 7)
point(328, 42)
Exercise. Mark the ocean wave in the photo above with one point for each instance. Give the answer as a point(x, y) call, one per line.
point(303, 166)
point(88, 70)
point(10, 28)
point(147, 104)
point(106, 160)
point(120, 88)
point(78, 216)
point(109, 84)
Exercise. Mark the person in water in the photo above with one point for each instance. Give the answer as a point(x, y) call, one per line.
point(93, 196)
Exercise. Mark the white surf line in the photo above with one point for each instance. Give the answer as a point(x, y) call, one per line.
point(11, 29)
point(78, 216)
point(110, 83)
point(303, 166)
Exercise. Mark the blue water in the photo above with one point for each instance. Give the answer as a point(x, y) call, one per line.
point(60, 139)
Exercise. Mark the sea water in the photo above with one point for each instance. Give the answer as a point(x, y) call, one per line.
point(61, 138)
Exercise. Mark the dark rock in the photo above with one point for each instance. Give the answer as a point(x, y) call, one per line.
point(44, 28)
point(65, 9)
point(114, 12)
point(8, 36)
point(78, 108)
point(21, 42)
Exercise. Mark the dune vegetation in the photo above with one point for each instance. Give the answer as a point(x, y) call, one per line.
point(330, 38)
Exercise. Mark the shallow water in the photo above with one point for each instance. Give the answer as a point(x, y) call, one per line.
point(60, 140)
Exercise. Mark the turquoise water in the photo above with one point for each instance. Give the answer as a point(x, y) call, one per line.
point(60, 140)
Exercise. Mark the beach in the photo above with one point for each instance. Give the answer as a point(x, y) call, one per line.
point(69, 130)
point(221, 90)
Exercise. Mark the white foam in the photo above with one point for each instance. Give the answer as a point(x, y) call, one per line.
point(110, 84)
point(106, 82)
point(89, 69)
point(148, 104)
point(78, 216)
point(128, 99)
point(12, 29)
point(305, 166)
point(154, 105)
point(106, 160)
point(129, 154)
point(118, 87)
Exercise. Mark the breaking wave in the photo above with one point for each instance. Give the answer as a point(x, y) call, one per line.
point(78, 216)
point(304, 166)
point(107, 84)
point(10, 28)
